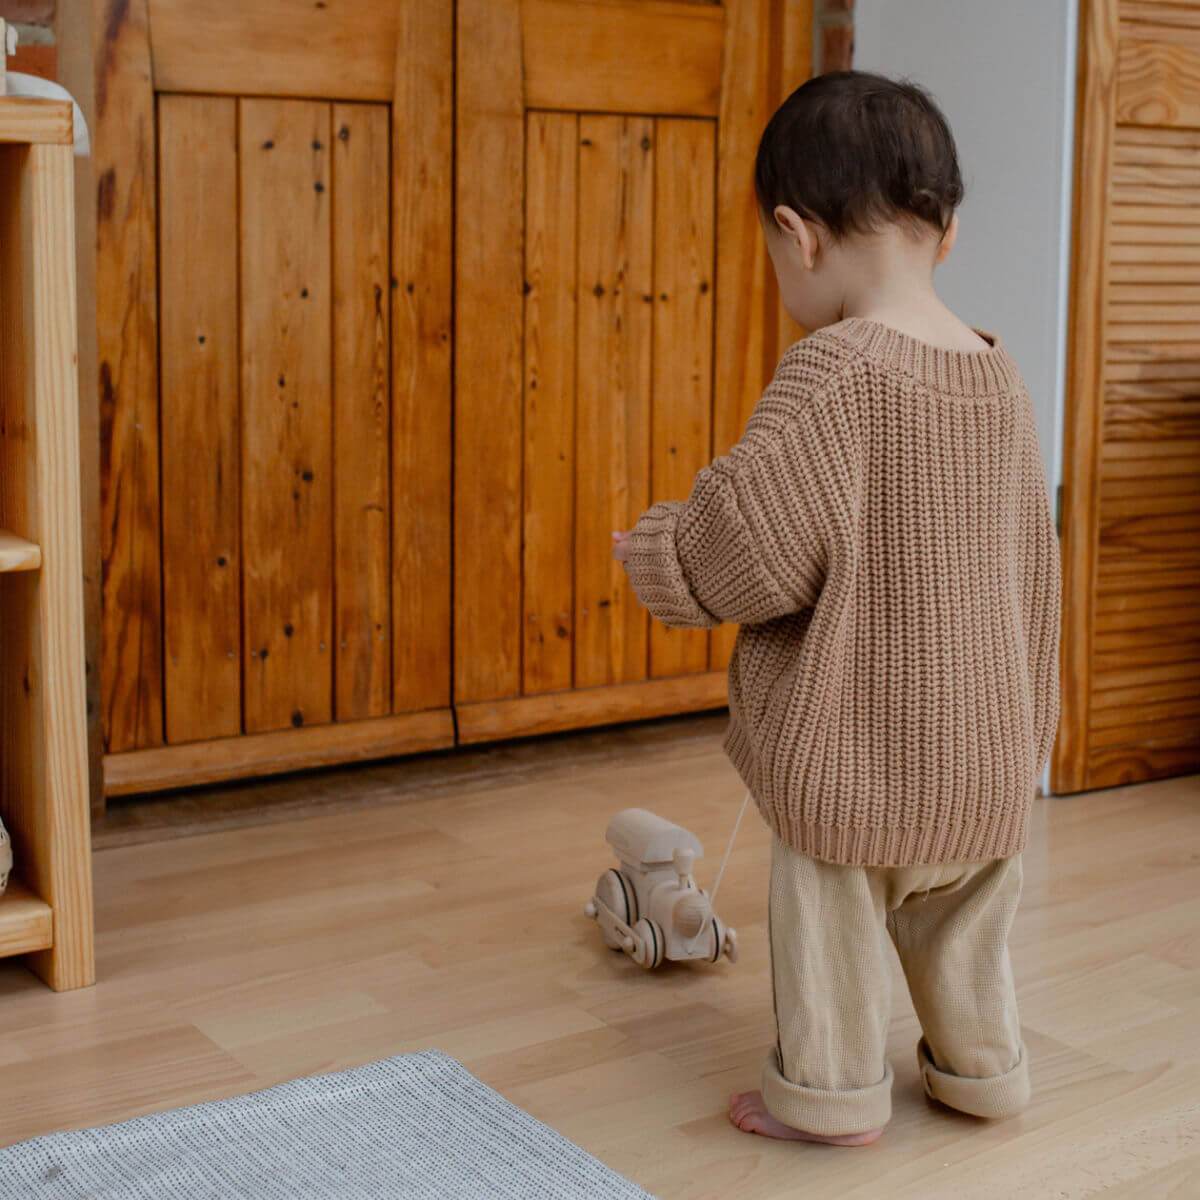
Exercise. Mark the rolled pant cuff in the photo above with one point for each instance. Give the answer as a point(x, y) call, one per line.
point(993, 1096)
point(824, 1111)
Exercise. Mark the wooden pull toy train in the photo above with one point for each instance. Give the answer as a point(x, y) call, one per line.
point(649, 906)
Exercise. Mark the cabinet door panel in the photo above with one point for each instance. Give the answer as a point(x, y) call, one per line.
point(287, 468)
point(643, 315)
point(361, 412)
point(551, 212)
point(684, 245)
point(616, 272)
point(198, 329)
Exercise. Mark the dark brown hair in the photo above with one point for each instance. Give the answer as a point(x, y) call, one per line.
point(852, 151)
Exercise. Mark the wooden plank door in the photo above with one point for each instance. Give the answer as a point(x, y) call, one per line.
point(273, 283)
point(1131, 631)
point(614, 326)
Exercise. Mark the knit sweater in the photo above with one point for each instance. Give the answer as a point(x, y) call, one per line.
point(883, 537)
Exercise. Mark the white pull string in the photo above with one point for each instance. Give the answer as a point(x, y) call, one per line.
point(721, 870)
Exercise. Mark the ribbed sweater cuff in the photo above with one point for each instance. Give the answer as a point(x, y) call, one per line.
point(902, 846)
point(1000, 836)
point(656, 574)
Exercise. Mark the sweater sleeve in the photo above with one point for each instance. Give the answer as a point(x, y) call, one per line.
point(746, 545)
point(1040, 582)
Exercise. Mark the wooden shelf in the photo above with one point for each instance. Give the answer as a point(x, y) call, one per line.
point(46, 918)
point(29, 120)
point(16, 554)
point(26, 923)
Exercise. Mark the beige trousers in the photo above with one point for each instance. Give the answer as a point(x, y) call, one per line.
point(832, 978)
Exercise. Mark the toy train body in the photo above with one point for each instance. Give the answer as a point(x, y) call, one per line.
point(650, 906)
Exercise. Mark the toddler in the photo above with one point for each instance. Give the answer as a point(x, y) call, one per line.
point(882, 535)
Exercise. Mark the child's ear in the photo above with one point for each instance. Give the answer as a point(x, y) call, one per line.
point(948, 240)
point(797, 231)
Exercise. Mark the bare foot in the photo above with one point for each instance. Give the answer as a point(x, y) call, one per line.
point(748, 1112)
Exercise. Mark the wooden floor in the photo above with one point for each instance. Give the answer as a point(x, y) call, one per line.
point(451, 917)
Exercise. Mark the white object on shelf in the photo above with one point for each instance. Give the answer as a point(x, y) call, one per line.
point(6, 860)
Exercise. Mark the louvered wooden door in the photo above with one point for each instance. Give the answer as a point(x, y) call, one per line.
point(614, 327)
point(1131, 650)
point(274, 289)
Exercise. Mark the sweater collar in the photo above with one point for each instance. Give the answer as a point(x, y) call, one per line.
point(987, 372)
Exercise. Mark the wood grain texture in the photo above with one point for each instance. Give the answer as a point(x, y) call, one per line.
point(25, 120)
point(422, 401)
point(43, 741)
point(554, 711)
point(287, 520)
point(616, 225)
point(18, 553)
point(623, 56)
point(681, 429)
point(1158, 83)
point(198, 331)
point(361, 412)
point(1081, 433)
point(257, 755)
point(548, 536)
point(742, 345)
point(275, 48)
point(384, 923)
point(489, 261)
point(1158, 18)
point(123, 149)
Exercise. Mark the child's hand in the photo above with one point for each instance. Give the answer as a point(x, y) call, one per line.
point(620, 545)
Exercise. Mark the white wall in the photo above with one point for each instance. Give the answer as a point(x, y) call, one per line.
point(1004, 75)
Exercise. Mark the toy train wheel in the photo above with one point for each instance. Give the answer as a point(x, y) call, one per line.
point(716, 938)
point(731, 945)
point(651, 944)
point(615, 891)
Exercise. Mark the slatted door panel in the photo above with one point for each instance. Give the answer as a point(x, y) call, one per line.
point(258, 362)
point(618, 380)
point(1142, 697)
point(200, 415)
point(613, 335)
point(296, 449)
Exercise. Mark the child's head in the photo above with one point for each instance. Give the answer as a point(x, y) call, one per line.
point(852, 168)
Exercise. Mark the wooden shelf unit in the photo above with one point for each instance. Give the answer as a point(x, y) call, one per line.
point(46, 913)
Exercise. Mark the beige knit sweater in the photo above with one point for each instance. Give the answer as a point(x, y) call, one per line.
point(882, 535)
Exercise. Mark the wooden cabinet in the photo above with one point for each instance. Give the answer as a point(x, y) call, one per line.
point(402, 307)
point(1131, 631)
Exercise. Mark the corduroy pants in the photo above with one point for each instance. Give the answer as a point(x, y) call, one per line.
point(827, 1073)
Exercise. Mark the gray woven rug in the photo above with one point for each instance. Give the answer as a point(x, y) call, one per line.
point(419, 1126)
